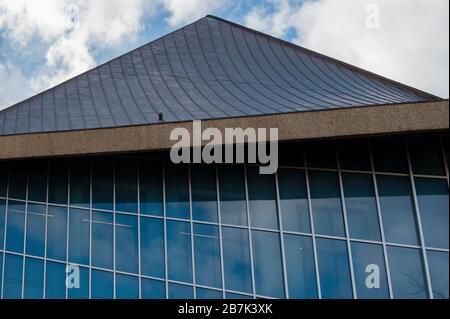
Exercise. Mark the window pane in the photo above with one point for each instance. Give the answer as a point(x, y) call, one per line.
point(152, 247)
point(267, 263)
point(126, 185)
point(126, 243)
point(301, 273)
point(79, 236)
point(102, 240)
point(370, 271)
point(399, 222)
point(389, 154)
point(102, 284)
point(426, 156)
point(438, 264)
point(432, 195)
point(151, 187)
point(294, 200)
point(12, 287)
point(36, 230)
point(177, 291)
point(83, 291)
point(37, 181)
point(334, 269)
point(18, 180)
point(2, 221)
point(55, 281)
point(177, 191)
point(290, 154)
point(232, 195)
point(231, 295)
point(202, 293)
point(326, 203)
point(354, 154)
point(236, 258)
point(3, 179)
point(34, 278)
point(262, 199)
point(15, 226)
point(179, 251)
point(207, 255)
point(102, 183)
point(127, 287)
point(361, 207)
point(321, 154)
point(407, 273)
point(56, 233)
point(204, 193)
point(80, 186)
point(153, 289)
point(57, 182)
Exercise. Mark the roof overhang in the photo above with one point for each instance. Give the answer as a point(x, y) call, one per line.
point(343, 122)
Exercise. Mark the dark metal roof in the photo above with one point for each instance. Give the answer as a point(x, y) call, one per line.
point(211, 68)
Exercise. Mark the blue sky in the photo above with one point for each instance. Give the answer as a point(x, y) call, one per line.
point(45, 42)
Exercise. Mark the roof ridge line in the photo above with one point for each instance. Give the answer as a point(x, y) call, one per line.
point(334, 60)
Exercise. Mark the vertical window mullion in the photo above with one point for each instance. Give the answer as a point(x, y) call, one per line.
point(249, 233)
point(222, 273)
point(192, 232)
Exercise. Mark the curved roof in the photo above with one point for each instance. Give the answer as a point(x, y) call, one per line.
point(211, 68)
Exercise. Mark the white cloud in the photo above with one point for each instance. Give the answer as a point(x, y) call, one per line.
point(11, 85)
point(411, 45)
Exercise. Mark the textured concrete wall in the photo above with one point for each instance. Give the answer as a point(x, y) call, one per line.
point(384, 119)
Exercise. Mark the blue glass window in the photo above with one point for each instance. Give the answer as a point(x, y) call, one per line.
point(407, 273)
point(102, 284)
point(12, 286)
point(150, 180)
point(36, 229)
point(294, 200)
point(262, 199)
point(126, 185)
point(438, 264)
point(232, 195)
point(354, 154)
point(15, 226)
point(57, 181)
point(397, 210)
point(207, 255)
point(361, 206)
point(18, 180)
point(300, 269)
point(2, 221)
point(55, 281)
point(102, 240)
point(80, 182)
point(267, 264)
point(389, 154)
point(177, 191)
point(179, 251)
point(204, 193)
point(202, 293)
point(153, 289)
point(152, 247)
point(432, 195)
point(34, 279)
point(370, 271)
point(326, 203)
point(3, 179)
point(79, 236)
point(127, 287)
point(230, 295)
point(126, 243)
point(102, 183)
point(177, 291)
point(236, 258)
point(56, 233)
point(83, 291)
point(334, 269)
point(37, 180)
point(321, 154)
point(426, 155)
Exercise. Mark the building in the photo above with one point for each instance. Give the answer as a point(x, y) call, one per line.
point(361, 191)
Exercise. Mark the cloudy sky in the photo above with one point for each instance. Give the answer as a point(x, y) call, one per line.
point(45, 42)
